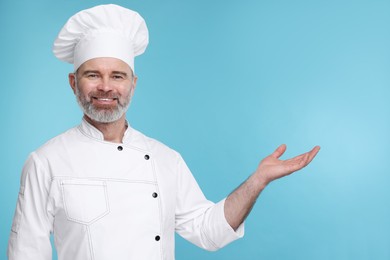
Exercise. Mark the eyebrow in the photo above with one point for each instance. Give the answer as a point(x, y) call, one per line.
point(120, 73)
point(89, 71)
point(113, 72)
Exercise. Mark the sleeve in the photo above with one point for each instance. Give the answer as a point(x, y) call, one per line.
point(32, 224)
point(199, 220)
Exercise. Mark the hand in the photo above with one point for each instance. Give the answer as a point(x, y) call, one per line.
point(271, 168)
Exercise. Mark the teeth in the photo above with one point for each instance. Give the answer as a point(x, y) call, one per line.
point(105, 99)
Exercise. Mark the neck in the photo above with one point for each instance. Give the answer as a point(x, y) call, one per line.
point(112, 132)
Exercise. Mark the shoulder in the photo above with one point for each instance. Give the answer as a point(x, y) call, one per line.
point(147, 143)
point(36, 163)
point(55, 144)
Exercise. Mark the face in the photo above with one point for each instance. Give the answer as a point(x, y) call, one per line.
point(103, 88)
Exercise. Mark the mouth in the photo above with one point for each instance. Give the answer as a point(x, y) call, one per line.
point(104, 101)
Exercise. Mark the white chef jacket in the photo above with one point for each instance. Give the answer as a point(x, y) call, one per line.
point(104, 200)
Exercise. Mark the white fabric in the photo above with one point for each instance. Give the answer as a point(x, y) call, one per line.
point(99, 201)
point(102, 31)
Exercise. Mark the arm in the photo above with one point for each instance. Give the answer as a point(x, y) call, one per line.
point(240, 202)
point(32, 224)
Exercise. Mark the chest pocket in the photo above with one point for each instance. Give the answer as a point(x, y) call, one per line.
point(85, 201)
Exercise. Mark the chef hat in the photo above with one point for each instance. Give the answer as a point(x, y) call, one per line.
point(102, 31)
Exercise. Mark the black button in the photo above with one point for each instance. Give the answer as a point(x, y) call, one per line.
point(120, 148)
point(146, 157)
point(157, 238)
point(154, 195)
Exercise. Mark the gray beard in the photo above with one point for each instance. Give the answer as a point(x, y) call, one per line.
point(102, 115)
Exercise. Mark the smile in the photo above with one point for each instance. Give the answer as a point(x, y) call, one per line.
point(105, 99)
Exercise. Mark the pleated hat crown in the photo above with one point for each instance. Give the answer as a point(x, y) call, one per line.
point(102, 31)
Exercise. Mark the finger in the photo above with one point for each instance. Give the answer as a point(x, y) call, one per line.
point(297, 163)
point(310, 155)
point(302, 160)
point(297, 159)
point(313, 153)
point(279, 151)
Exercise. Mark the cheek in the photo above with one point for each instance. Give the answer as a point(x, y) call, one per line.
point(83, 95)
point(127, 92)
point(85, 91)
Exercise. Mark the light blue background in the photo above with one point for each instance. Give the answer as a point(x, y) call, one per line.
point(224, 83)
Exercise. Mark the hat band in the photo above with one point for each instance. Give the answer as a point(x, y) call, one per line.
point(103, 44)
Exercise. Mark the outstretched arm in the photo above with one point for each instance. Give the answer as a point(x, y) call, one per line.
point(240, 202)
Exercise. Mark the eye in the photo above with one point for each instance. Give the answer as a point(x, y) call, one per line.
point(118, 77)
point(92, 76)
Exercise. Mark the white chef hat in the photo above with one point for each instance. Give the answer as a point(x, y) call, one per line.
point(102, 31)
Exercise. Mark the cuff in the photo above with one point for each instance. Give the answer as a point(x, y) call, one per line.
point(223, 233)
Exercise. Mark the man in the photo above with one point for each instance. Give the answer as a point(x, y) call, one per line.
point(105, 190)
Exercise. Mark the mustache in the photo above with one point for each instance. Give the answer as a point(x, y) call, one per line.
point(101, 94)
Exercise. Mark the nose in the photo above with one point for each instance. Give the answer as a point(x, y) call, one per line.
point(105, 84)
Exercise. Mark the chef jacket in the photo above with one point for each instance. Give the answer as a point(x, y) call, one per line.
point(105, 200)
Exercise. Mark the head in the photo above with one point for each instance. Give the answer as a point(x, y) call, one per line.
point(103, 87)
point(101, 42)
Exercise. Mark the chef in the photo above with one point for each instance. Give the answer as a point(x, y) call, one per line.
point(105, 190)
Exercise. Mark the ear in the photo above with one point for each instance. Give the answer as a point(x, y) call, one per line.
point(135, 78)
point(134, 85)
point(72, 81)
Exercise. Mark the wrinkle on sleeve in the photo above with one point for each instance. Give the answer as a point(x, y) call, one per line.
point(199, 220)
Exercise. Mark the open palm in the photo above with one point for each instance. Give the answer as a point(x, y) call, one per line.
point(271, 167)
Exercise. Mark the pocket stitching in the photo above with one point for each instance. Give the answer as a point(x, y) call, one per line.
point(107, 211)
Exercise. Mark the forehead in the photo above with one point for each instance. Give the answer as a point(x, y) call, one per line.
point(105, 64)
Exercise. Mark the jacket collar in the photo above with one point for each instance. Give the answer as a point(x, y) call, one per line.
point(94, 133)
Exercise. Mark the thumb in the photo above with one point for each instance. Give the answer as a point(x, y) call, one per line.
point(279, 151)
